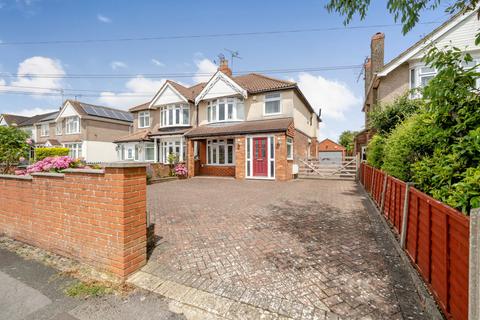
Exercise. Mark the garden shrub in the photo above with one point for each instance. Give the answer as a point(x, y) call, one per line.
point(14, 147)
point(42, 153)
point(375, 151)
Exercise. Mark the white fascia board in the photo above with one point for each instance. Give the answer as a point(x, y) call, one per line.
point(162, 89)
point(431, 39)
point(220, 76)
point(62, 111)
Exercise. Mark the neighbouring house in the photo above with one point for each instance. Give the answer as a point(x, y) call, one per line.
point(249, 126)
point(385, 82)
point(331, 152)
point(87, 130)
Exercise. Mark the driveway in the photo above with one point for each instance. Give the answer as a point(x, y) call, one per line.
point(298, 249)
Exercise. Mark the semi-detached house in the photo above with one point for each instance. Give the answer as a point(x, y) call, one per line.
point(408, 72)
point(248, 126)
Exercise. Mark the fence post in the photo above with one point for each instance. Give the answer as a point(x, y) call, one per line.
point(373, 180)
point(474, 266)
point(384, 192)
point(403, 234)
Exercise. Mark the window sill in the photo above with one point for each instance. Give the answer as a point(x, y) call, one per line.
point(67, 133)
point(219, 165)
point(225, 121)
point(174, 125)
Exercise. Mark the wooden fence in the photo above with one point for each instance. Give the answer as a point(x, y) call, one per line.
point(436, 237)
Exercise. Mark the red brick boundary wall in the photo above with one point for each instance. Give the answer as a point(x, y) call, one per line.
point(94, 216)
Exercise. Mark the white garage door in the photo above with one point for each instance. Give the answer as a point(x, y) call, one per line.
point(331, 157)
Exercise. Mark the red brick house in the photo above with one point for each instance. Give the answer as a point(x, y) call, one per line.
point(248, 126)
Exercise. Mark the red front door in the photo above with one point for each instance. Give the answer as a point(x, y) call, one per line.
point(260, 157)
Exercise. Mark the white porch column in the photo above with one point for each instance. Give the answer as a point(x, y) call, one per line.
point(181, 149)
point(155, 149)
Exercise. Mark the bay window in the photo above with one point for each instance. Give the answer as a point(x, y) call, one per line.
point(44, 130)
point(144, 119)
point(220, 152)
point(72, 125)
point(149, 150)
point(225, 109)
point(75, 150)
point(272, 103)
point(175, 115)
point(176, 146)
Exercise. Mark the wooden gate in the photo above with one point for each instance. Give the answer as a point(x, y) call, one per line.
point(317, 169)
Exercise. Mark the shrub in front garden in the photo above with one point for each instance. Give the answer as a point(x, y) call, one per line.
point(14, 147)
point(42, 153)
point(181, 170)
point(55, 164)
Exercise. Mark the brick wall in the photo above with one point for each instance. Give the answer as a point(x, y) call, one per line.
point(240, 158)
point(95, 216)
point(300, 145)
point(283, 167)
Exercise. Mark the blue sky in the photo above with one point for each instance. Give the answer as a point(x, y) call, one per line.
point(337, 92)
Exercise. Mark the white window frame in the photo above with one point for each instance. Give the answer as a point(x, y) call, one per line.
point(149, 145)
point(58, 128)
point(214, 145)
point(75, 120)
point(271, 144)
point(76, 150)
point(290, 143)
point(144, 116)
point(170, 112)
point(213, 110)
point(44, 130)
point(272, 97)
point(173, 143)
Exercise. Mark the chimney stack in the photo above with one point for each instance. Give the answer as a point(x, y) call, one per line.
point(368, 73)
point(223, 67)
point(377, 47)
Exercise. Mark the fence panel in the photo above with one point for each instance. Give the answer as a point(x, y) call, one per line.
point(437, 239)
point(438, 244)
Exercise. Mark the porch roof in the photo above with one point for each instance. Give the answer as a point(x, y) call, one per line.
point(169, 131)
point(141, 135)
point(236, 128)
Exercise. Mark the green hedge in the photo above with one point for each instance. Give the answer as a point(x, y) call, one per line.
point(42, 153)
point(375, 151)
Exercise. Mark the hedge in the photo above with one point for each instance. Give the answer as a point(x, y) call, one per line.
point(42, 153)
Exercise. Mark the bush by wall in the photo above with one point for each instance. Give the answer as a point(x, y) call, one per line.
point(375, 151)
point(42, 153)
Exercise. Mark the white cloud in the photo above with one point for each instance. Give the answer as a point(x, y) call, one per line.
point(158, 63)
point(333, 97)
point(205, 70)
point(118, 65)
point(25, 82)
point(139, 90)
point(103, 18)
point(33, 111)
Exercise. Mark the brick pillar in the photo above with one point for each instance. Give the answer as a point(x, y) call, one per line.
point(126, 184)
point(281, 163)
point(240, 143)
point(190, 159)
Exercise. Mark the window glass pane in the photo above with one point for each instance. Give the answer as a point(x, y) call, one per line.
point(186, 119)
point(209, 155)
point(230, 141)
point(272, 107)
point(177, 115)
point(248, 148)
point(214, 113)
point(272, 95)
point(412, 78)
point(230, 155)
point(424, 80)
point(221, 112)
point(221, 154)
point(170, 116)
point(149, 152)
point(209, 114)
point(214, 155)
point(272, 168)
point(248, 168)
point(427, 70)
point(240, 110)
point(230, 111)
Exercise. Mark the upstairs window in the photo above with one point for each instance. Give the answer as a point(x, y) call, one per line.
point(72, 125)
point(44, 130)
point(144, 119)
point(272, 103)
point(225, 109)
point(175, 115)
point(58, 130)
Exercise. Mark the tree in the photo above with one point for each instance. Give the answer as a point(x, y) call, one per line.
point(405, 11)
point(13, 147)
point(346, 140)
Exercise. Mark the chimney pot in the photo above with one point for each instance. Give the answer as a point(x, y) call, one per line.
point(223, 67)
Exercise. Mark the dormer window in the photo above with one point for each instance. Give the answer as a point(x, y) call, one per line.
point(72, 125)
point(144, 119)
point(225, 109)
point(272, 103)
point(175, 115)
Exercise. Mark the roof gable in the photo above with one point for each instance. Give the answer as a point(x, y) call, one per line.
point(220, 85)
point(439, 37)
point(2, 121)
point(68, 110)
point(168, 94)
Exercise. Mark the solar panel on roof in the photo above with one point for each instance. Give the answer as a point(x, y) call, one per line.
point(107, 113)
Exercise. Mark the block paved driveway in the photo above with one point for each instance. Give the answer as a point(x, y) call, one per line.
point(303, 248)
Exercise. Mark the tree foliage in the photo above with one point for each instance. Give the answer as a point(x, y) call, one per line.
point(387, 117)
point(13, 146)
point(346, 140)
point(407, 12)
point(375, 151)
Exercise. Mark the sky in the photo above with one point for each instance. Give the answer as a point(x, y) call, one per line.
point(137, 69)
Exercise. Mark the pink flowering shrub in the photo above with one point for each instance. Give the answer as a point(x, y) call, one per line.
point(181, 170)
point(51, 164)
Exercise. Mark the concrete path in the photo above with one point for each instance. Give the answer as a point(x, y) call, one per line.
point(32, 291)
point(259, 249)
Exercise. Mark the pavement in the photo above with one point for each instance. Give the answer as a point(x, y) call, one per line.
point(31, 290)
point(305, 249)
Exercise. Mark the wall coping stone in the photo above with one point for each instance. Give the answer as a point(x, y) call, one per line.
point(48, 174)
point(15, 177)
point(74, 170)
point(125, 164)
